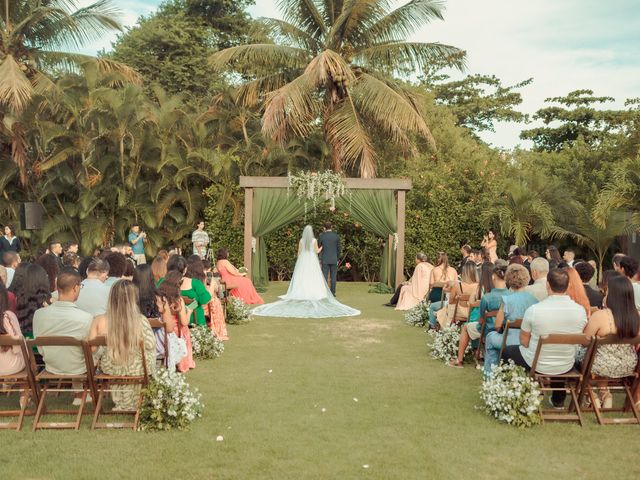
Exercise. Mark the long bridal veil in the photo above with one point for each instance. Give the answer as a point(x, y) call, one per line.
point(308, 295)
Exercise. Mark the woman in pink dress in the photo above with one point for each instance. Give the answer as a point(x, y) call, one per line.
point(240, 286)
point(170, 288)
point(414, 291)
point(490, 243)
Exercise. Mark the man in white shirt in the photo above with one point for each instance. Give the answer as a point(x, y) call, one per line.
point(539, 269)
point(629, 268)
point(569, 256)
point(556, 314)
point(10, 261)
point(94, 294)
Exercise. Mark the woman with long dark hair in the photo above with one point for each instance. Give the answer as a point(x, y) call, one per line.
point(553, 255)
point(190, 288)
point(143, 279)
point(9, 242)
point(11, 358)
point(33, 293)
point(619, 318)
point(52, 267)
point(170, 290)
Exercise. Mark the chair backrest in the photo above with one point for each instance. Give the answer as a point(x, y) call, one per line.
point(565, 339)
point(517, 323)
point(157, 323)
point(55, 341)
point(9, 342)
point(463, 300)
point(102, 342)
point(488, 314)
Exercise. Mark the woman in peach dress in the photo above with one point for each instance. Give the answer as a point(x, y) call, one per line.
point(240, 286)
point(490, 243)
point(414, 291)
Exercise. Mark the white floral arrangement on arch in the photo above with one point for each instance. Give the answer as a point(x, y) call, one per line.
point(445, 343)
point(418, 316)
point(169, 402)
point(204, 344)
point(511, 395)
point(316, 186)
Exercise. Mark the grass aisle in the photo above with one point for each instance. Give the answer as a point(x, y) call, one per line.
point(387, 405)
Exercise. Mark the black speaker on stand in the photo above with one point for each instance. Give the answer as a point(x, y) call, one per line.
point(31, 216)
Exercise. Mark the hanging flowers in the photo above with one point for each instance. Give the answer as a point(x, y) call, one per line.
point(312, 187)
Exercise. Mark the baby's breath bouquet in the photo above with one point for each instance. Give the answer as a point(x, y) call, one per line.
point(511, 396)
point(238, 312)
point(445, 343)
point(204, 343)
point(418, 316)
point(312, 187)
point(169, 402)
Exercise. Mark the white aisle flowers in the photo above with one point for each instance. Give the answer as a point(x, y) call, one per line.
point(205, 344)
point(445, 343)
point(511, 396)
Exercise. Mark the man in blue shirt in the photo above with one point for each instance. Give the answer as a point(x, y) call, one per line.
point(137, 239)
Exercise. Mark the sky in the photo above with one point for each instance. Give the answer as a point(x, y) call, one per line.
point(564, 45)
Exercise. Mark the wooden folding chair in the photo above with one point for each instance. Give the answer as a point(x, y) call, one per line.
point(23, 383)
point(157, 323)
point(570, 382)
point(483, 332)
point(105, 383)
point(58, 383)
point(461, 301)
point(624, 385)
point(510, 324)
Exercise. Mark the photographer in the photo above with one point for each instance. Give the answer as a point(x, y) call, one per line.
point(137, 239)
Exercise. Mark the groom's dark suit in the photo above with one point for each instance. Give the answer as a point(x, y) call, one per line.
point(330, 243)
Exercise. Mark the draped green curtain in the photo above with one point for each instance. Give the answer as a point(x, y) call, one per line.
point(272, 209)
point(376, 211)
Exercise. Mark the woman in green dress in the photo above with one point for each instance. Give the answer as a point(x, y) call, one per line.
point(193, 291)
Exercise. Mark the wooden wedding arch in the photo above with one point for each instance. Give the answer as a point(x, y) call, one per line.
point(399, 185)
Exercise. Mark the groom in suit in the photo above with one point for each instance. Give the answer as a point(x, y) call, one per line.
point(330, 243)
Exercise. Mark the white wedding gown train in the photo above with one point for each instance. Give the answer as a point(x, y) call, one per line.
point(308, 295)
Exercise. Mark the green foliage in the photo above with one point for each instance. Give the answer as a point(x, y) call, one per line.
point(578, 117)
point(478, 101)
point(380, 287)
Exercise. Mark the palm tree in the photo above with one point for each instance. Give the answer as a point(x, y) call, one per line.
point(334, 67)
point(622, 191)
point(598, 235)
point(31, 35)
point(534, 204)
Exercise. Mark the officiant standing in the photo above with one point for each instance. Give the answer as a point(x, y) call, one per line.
point(329, 241)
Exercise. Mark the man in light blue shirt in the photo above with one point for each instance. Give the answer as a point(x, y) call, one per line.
point(63, 318)
point(137, 239)
point(94, 294)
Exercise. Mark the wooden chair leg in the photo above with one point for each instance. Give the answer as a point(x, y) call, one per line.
point(41, 408)
point(97, 408)
point(574, 400)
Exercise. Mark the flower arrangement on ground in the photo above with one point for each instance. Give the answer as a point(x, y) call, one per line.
point(169, 402)
point(418, 316)
point(238, 312)
point(205, 344)
point(315, 186)
point(445, 343)
point(511, 396)
point(380, 287)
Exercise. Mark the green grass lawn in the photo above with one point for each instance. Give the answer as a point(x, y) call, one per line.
point(299, 398)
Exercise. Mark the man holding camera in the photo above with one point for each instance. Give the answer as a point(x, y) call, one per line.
point(137, 239)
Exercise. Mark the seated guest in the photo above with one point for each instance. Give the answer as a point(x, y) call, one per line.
point(465, 251)
point(9, 242)
point(10, 260)
point(556, 314)
point(617, 258)
point(468, 285)
point(512, 308)
point(94, 293)
point(576, 291)
point(629, 268)
point(84, 263)
point(441, 275)
point(191, 288)
point(410, 293)
point(177, 315)
point(594, 280)
point(491, 301)
point(117, 267)
point(531, 256)
point(127, 328)
point(553, 255)
point(11, 298)
point(212, 310)
point(32, 294)
point(159, 266)
point(177, 350)
point(52, 267)
point(71, 259)
point(620, 318)
point(129, 271)
point(240, 286)
point(143, 279)
point(586, 272)
point(63, 318)
point(539, 269)
point(11, 358)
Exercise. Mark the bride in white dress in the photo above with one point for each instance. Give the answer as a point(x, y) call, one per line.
point(308, 295)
